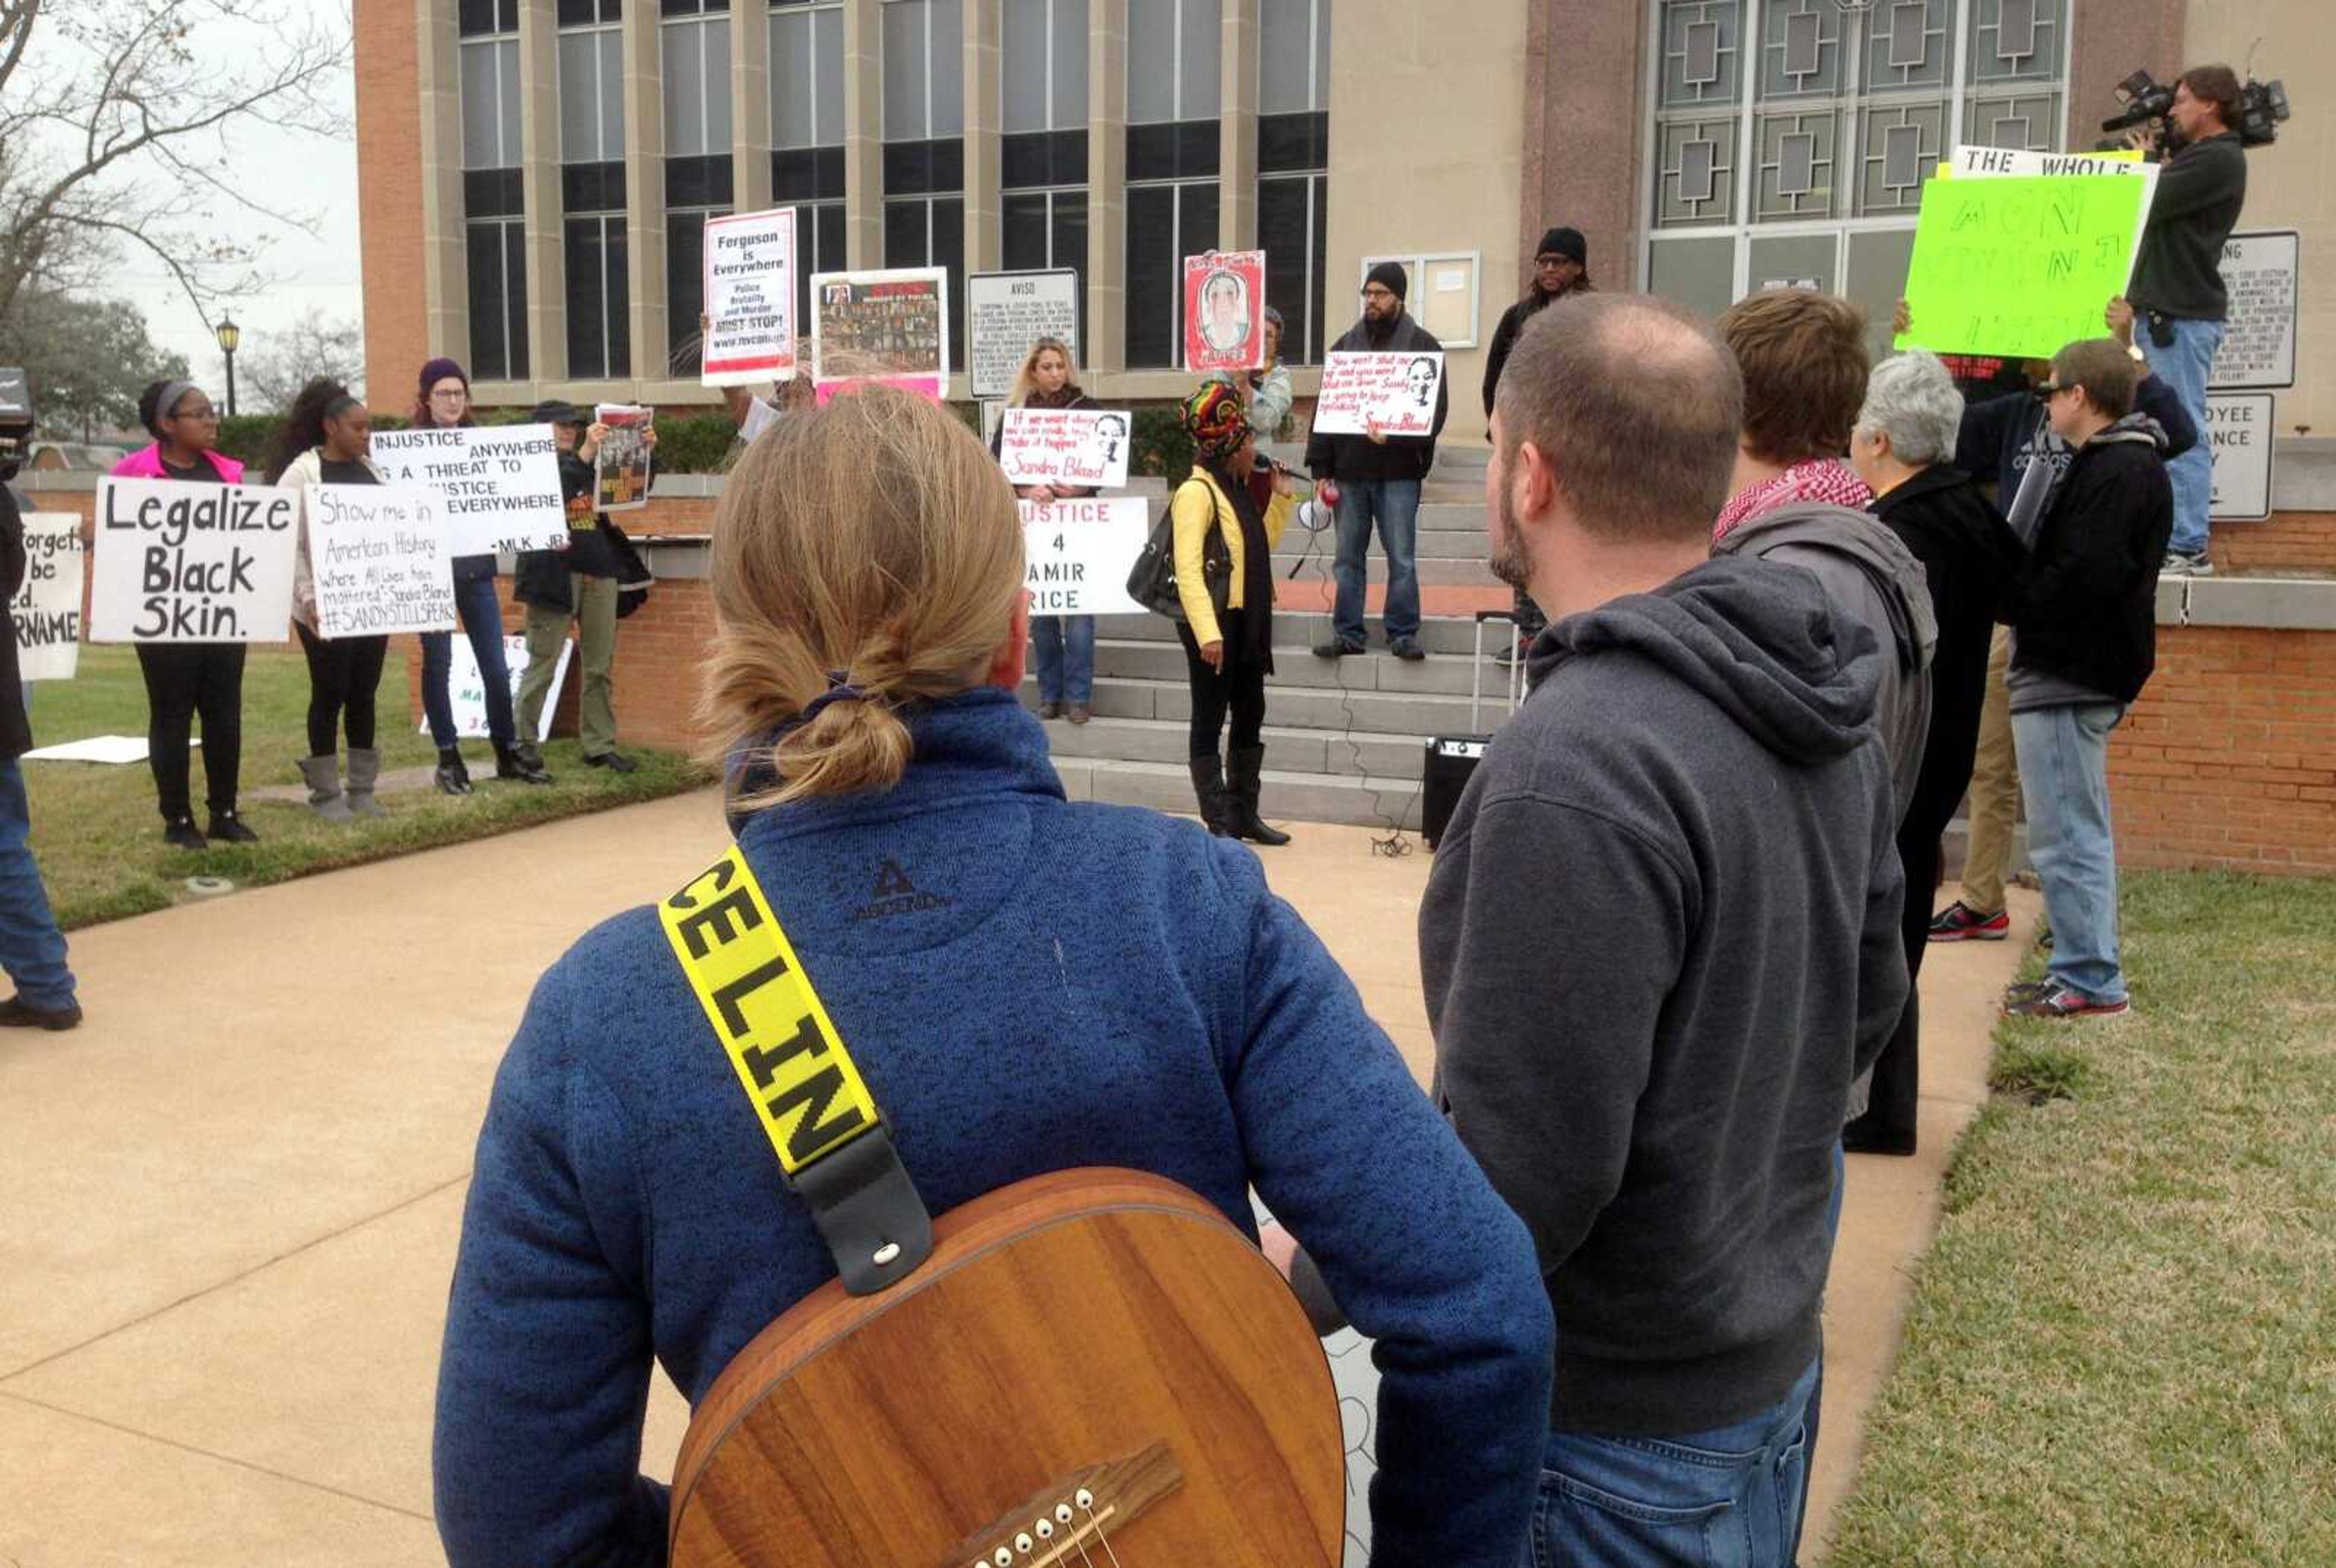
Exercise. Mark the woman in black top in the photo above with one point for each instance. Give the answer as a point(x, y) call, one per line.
point(185, 679)
point(325, 439)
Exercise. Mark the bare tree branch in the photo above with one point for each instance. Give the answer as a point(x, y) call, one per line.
point(149, 126)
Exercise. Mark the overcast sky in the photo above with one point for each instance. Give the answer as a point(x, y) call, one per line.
point(308, 174)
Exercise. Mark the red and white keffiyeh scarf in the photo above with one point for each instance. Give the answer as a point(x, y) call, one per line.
point(1824, 479)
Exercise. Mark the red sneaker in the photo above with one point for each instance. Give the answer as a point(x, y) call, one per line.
point(2060, 1002)
point(1959, 922)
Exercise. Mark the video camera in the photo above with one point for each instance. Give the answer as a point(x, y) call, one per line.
point(2262, 106)
point(15, 416)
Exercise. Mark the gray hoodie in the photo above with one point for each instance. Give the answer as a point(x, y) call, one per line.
point(1660, 937)
point(1872, 577)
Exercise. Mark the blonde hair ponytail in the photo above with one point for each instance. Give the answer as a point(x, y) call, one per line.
point(868, 554)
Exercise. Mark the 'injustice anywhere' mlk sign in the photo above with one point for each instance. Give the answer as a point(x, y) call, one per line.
point(180, 562)
point(500, 483)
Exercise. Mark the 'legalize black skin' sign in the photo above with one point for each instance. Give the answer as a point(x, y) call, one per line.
point(179, 591)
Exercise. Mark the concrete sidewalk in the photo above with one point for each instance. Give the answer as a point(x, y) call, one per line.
point(232, 1197)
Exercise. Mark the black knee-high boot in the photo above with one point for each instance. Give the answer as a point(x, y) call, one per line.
point(1208, 789)
point(1241, 818)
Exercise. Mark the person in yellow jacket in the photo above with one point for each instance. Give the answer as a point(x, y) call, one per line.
point(1228, 515)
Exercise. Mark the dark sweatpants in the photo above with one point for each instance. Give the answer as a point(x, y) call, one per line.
point(184, 681)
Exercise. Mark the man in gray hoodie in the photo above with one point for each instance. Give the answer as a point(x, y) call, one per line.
point(1661, 937)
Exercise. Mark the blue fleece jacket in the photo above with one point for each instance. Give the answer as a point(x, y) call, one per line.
point(973, 934)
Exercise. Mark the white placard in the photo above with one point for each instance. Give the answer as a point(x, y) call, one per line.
point(468, 692)
point(1083, 447)
point(377, 560)
point(2238, 433)
point(1078, 554)
point(2258, 271)
point(2013, 163)
point(184, 561)
point(47, 609)
point(1396, 389)
point(750, 298)
point(106, 750)
point(501, 483)
point(1006, 312)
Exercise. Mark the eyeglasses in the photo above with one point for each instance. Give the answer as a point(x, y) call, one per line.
point(1551, 261)
point(2050, 390)
point(1375, 292)
point(453, 394)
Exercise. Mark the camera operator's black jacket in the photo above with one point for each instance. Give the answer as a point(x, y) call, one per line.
point(2200, 191)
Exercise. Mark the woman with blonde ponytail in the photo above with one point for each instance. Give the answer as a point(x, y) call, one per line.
point(1027, 985)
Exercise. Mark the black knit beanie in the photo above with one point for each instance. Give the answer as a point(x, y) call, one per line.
point(1565, 242)
point(1388, 275)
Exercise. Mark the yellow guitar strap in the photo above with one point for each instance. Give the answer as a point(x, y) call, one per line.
point(809, 1097)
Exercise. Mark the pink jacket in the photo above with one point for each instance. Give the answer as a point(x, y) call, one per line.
point(147, 463)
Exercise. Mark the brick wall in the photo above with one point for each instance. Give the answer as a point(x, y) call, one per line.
point(389, 196)
point(2229, 759)
point(2286, 541)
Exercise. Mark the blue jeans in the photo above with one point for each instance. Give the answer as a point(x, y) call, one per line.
point(1394, 503)
point(2064, 777)
point(1726, 1498)
point(482, 610)
point(2183, 366)
point(1064, 647)
point(32, 949)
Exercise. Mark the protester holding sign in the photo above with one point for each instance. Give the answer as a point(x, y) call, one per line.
point(2177, 282)
point(444, 403)
point(32, 949)
point(1063, 644)
point(1374, 478)
point(187, 678)
point(1234, 511)
point(1269, 391)
point(323, 440)
point(576, 583)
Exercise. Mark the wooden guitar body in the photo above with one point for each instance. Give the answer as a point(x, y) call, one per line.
point(1093, 1367)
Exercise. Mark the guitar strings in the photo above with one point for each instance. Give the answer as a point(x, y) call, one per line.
point(1087, 1502)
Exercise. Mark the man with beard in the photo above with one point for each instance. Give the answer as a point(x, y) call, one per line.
point(1661, 938)
point(1376, 478)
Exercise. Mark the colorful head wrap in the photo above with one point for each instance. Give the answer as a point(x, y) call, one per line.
point(1217, 421)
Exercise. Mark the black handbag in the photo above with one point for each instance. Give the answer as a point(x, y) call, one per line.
point(633, 576)
point(1153, 582)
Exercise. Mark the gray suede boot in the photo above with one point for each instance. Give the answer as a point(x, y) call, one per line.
point(325, 798)
point(365, 767)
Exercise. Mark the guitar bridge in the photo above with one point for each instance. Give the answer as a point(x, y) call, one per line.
point(1078, 1512)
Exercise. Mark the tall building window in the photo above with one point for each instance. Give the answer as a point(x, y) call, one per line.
point(1173, 162)
point(494, 231)
point(1790, 138)
point(924, 145)
point(696, 39)
point(807, 133)
point(592, 187)
point(1043, 81)
point(1293, 167)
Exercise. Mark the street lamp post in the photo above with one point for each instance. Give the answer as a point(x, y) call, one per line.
point(229, 335)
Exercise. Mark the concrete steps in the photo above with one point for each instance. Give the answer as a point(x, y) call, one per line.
point(1345, 738)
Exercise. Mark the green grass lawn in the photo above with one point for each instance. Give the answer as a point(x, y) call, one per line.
point(2122, 1348)
point(99, 838)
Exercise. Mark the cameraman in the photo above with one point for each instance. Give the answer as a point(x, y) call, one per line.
point(2177, 283)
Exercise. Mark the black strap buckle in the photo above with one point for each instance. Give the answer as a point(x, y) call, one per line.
point(867, 1211)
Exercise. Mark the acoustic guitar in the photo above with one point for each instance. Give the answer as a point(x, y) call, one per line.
point(1093, 1369)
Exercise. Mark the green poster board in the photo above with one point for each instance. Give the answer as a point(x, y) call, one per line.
point(2020, 266)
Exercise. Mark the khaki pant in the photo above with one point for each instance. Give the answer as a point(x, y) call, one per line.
point(1994, 789)
point(595, 598)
